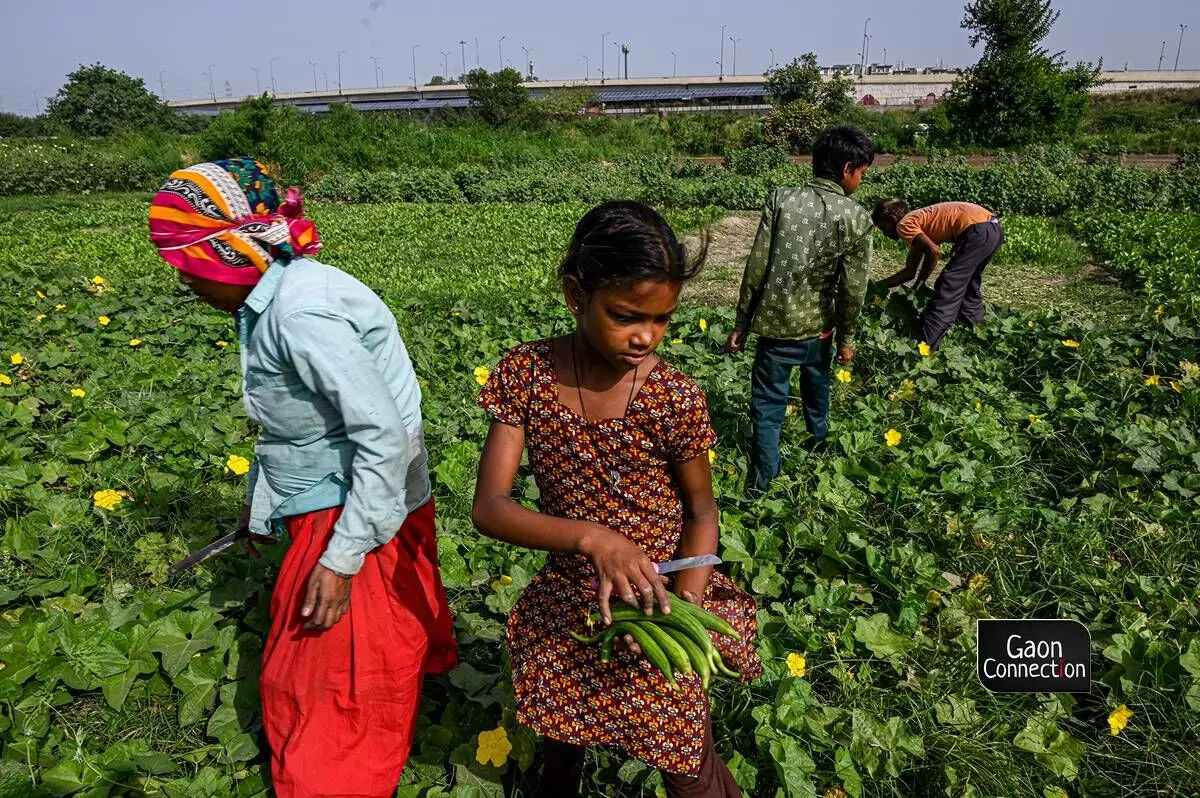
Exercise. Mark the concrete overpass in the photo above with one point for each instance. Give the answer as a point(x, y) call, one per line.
point(740, 93)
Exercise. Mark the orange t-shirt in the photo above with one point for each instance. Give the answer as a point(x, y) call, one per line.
point(942, 222)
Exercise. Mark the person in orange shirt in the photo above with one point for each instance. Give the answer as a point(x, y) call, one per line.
point(957, 294)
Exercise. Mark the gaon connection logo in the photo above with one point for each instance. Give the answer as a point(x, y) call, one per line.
point(1033, 656)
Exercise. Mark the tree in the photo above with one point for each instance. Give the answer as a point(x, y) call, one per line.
point(801, 81)
point(98, 101)
point(437, 80)
point(496, 96)
point(1018, 93)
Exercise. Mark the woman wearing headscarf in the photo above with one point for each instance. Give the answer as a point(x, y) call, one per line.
point(358, 614)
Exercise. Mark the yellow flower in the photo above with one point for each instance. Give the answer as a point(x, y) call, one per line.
point(797, 665)
point(791, 409)
point(712, 456)
point(703, 325)
point(39, 317)
point(78, 393)
point(676, 341)
point(1189, 368)
point(1176, 387)
point(104, 320)
point(1151, 380)
point(494, 747)
point(222, 344)
point(978, 583)
point(1159, 312)
point(40, 295)
point(506, 579)
point(501, 582)
point(924, 349)
point(1035, 418)
point(979, 405)
point(1119, 719)
point(107, 499)
point(135, 341)
point(98, 280)
point(893, 437)
point(844, 376)
point(17, 359)
point(237, 464)
point(1030, 322)
point(60, 307)
point(1070, 343)
point(481, 374)
point(5, 379)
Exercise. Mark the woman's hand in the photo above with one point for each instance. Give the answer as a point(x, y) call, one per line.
point(624, 569)
point(326, 600)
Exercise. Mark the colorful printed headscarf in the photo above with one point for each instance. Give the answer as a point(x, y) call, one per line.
point(223, 221)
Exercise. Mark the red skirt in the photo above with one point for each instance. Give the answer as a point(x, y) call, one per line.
point(340, 706)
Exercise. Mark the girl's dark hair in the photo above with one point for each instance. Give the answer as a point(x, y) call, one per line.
point(840, 145)
point(625, 240)
point(892, 209)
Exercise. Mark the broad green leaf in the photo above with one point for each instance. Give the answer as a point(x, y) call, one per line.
point(877, 635)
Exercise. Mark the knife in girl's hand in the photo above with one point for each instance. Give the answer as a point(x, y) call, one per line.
point(686, 562)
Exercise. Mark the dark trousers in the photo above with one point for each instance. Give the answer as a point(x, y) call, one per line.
point(770, 380)
point(957, 294)
point(562, 773)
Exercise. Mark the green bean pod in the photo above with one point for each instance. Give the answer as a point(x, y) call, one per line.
point(650, 649)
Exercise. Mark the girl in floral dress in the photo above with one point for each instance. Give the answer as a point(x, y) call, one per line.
point(618, 441)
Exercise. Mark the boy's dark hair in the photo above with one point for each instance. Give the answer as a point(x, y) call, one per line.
point(625, 240)
point(891, 209)
point(840, 145)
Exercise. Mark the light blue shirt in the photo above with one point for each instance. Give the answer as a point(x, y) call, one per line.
point(327, 377)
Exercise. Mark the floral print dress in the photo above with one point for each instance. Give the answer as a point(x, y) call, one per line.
point(615, 472)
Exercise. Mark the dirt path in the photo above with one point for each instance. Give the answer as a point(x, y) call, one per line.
point(1086, 294)
point(1143, 161)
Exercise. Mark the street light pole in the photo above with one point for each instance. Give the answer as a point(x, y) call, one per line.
point(446, 64)
point(462, 44)
point(603, 46)
point(211, 91)
point(316, 88)
point(378, 77)
point(1162, 52)
point(618, 47)
point(1179, 49)
point(414, 64)
point(271, 67)
point(340, 70)
point(500, 47)
point(862, 67)
point(162, 89)
point(527, 61)
point(735, 43)
point(257, 81)
point(587, 69)
point(674, 63)
point(867, 54)
point(772, 64)
point(721, 63)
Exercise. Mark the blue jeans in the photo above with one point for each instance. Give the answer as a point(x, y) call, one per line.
point(774, 360)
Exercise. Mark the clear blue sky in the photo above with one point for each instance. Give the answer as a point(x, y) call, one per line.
point(42, 40)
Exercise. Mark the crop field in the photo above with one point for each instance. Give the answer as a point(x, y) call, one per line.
point(1045, 464)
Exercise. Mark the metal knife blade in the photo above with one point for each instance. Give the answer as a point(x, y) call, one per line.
point(687, 562)
point(211, 550)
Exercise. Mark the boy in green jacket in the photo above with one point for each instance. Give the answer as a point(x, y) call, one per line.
point(802, 291)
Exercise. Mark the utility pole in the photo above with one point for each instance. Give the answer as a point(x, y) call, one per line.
point(271, 67)
point(603, 43)
point(772, 64)
point(211, 90)
point(500, 47)
point(340, 70)
point(378, 75)
point(446, 64)
point(316, 88)
point(325, 75)
point(674, 63)
point(587, 69)
point(162, 89)
point(867, 54)
point(462, 44)
point(625, 52)
point(735, 43)
point(618, 49)
point(1179, 49)
point(414, 64)
point(527, 61)
point(885, 61)
point(257, 82)
point(477, 62)
point(1162, 52)
point(721, 63)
